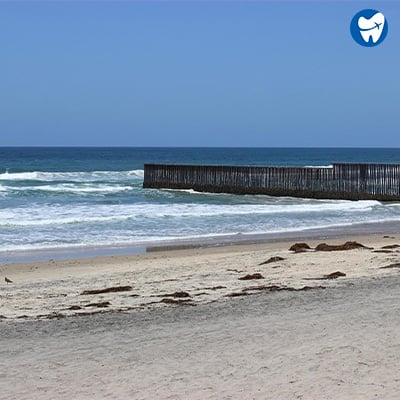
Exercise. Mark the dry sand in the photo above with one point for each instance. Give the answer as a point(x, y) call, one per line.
point(273, 340)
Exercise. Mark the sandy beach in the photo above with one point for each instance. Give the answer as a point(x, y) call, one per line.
point(254, 321)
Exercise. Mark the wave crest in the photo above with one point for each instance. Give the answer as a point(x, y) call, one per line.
point(80, 176)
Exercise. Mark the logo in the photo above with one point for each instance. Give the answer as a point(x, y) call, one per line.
point(369, 28)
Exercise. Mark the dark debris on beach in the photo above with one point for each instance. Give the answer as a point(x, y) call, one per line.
point(107, 290)
point(180, 294)
point(351, 245)
point(271, 288)
point(272, 259)
point(333, 275)
point(395, 265)
point(248, 277)
point(299, 247)
point(188, 302)
point(101, 304)
point(391, 246)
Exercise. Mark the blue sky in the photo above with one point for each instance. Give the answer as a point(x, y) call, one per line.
point(266, 73)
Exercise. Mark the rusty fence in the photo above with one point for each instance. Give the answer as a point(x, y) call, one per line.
point(341, 181)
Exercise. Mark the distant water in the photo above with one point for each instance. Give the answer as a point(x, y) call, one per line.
point(71, 197)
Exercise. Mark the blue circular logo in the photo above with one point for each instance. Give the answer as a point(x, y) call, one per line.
point(369, 28)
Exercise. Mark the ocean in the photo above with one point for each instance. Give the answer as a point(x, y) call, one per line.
point(74, 198)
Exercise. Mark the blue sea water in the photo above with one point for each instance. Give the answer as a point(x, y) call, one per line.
point(53, 198)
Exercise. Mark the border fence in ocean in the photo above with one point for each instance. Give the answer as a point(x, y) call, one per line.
point(351, 181)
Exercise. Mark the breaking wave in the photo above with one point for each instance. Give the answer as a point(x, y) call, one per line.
point(90, 176)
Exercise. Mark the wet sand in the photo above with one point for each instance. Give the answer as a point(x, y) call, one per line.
point(225, 338)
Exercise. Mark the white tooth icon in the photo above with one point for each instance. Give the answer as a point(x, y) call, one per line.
point(372, 27)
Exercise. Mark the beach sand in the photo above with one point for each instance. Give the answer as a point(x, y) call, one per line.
point(181, 324)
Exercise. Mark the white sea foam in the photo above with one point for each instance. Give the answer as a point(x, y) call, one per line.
point(66, 188)
point(133, 240)
point(17, 176)
point(90, 176)
point(137, 172)
point(318, 166)
point(58, 215)
point(192, 191)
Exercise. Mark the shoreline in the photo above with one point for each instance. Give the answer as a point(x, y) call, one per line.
point(73, 253)
point(195, 275)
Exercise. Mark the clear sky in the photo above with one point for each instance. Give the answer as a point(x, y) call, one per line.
point(266, 73)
